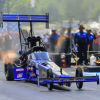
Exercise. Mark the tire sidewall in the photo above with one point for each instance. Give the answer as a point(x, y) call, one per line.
point(9, 72)
point(79, 73)
point(49, 75)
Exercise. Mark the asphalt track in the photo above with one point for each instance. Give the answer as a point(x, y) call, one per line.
point(21, 90)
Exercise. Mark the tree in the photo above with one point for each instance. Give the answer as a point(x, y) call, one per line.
point(1, 5)
point(18, 6)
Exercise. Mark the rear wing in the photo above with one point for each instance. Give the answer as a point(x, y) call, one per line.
point(25, 18)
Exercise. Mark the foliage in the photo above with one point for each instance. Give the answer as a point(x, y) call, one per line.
point(18, 6)
point(59, 10)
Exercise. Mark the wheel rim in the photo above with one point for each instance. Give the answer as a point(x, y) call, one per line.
point(48, 85)
point(77, 84)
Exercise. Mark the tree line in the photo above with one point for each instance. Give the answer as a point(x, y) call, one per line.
point(59, 10)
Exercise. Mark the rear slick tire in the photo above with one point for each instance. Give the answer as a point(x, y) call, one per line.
point(9, 72)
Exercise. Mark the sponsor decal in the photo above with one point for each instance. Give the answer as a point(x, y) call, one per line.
point(44, 73)
point(32, 74)
point(19, 75)
point(30, 68)
point(65, 80)
point(20, 69)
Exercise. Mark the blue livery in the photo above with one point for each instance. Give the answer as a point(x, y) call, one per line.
point(91, 36)
point(81, 38)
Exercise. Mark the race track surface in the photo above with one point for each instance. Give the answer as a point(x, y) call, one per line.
point(21, 90)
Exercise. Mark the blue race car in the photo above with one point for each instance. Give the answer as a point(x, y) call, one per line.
point(34, 63)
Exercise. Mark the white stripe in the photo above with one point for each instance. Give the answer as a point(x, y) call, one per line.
point(91, 74)
point(36, 65)
point(37, 72)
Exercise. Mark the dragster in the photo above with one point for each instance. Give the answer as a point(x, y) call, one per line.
point(34, 63)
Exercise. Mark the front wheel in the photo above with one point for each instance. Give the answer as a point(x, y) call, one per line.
point(79, 73)
point(50, 75)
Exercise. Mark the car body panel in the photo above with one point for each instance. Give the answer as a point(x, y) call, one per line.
point(19, 73)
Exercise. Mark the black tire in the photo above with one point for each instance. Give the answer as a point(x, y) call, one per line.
point(9, 72)
point(79, 73)
point(50, 75)
point(5, 68)
point(69, 84)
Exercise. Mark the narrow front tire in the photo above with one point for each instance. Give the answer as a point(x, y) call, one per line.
point(50, 75)
point(79, 73)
